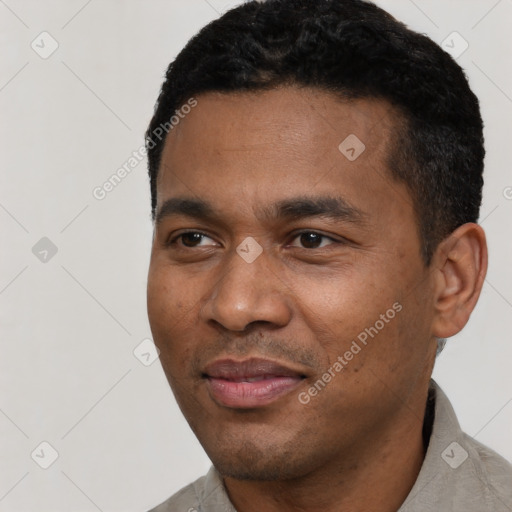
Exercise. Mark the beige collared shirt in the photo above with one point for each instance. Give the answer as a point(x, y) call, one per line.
point(458, 475)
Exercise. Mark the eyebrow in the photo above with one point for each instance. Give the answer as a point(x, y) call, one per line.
point(296, 208)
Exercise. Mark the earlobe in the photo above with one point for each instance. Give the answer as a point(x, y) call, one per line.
point(461, 265)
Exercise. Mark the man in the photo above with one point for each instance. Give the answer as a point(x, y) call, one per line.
point(316, 178)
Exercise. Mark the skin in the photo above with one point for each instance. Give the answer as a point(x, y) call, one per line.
point(357, 444)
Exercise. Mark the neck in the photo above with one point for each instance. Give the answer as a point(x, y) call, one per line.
point(376, 476)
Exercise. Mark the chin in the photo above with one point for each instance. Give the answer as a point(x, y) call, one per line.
point(246, 459)
point(266, 468)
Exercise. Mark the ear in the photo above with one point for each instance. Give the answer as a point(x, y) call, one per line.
point(461, 264)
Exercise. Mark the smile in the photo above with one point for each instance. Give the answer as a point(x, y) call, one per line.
point(250, 383)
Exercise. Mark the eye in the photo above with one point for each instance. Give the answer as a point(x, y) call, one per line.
point(307, 240)
point(190, 239)
point(312, 239)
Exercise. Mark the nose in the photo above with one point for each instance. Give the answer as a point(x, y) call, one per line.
point(246, 293)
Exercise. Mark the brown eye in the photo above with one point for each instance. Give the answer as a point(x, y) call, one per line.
point(189, 239)
point(312, 240)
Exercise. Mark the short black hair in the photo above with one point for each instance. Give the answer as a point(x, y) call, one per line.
point(353, 49)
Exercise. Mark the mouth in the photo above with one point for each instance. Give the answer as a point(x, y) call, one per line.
point(250, 383)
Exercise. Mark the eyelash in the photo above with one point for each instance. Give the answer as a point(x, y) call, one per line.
point(173, 240)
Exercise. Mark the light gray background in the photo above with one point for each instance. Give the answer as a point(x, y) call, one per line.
point(68, 374)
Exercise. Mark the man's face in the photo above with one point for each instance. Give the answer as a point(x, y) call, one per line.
point(248, 337)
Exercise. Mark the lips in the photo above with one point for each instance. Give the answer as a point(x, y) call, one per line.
point(249, 383)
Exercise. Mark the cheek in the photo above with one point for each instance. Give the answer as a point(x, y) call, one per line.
point(170, 304)
point(168, 293)
point(340, 307)
point(160, 299)
point(360, 318)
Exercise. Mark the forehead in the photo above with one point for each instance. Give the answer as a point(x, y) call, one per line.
point(287, 141)
point(303, 118)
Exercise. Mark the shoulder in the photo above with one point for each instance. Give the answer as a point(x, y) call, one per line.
point(185, 500)
point(493, 470)
point(458, 473)
point(206, 493)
